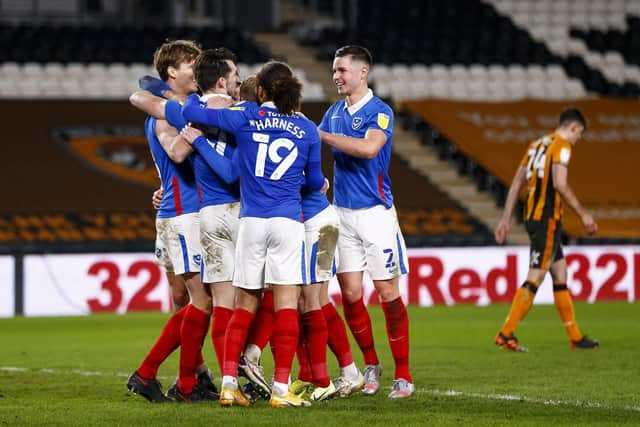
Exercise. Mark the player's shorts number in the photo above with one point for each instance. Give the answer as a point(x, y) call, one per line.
point(271, 150)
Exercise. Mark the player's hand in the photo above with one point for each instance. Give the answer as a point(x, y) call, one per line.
point(325, 186)
point(156, 87)
point(191, 134)
point(156, 199)
point(589, 224)
point(502, 231)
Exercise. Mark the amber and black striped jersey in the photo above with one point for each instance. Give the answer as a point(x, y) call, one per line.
point(543, 201)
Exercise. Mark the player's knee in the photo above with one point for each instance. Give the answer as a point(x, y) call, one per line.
point(351, 295)
point(388, 293)
point(180, 298)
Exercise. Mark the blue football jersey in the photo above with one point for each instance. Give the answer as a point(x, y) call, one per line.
point(178, 181)
point(361, 183)
point(313, 202)
point(212, 189)
point(273, 152)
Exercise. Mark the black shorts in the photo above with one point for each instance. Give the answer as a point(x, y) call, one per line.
point(546, 243)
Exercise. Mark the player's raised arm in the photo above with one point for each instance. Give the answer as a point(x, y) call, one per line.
point(193, 112)
point(148, 103)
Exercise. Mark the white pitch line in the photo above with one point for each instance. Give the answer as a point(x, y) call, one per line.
point(437, 392)
point(513, 397)
point(69, 371)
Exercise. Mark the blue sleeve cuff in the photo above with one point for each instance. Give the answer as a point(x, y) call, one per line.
point(173, 114)
point(200, 143)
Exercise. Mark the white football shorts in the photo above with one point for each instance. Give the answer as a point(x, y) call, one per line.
point(269, 251)
point(370, 239)
point(180, 238)
point(162, 254)
point(321, 238)
point(218, 234)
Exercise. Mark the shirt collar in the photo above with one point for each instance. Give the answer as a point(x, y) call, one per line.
point(208, 96)
point(358, 105)
point(269, 104)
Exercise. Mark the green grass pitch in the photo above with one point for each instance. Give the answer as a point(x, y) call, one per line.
point(72, 371)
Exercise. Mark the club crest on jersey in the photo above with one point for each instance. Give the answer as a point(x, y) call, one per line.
point(356, 123)
point(383, 120)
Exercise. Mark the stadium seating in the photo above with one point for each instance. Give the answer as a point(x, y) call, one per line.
point(105, 63)
point(583, 48)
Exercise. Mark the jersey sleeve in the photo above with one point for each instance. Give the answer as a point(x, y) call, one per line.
point(227, 119)
point(233, 118)
point(221, 165)
point(561, 153)
point(325, 124)
point(313, 171)
point(381, 119)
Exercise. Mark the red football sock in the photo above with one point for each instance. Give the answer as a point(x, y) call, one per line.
point(166, 344)
point(221, 317)
point(359, 322)
point(262, 327)
point(302, 352)
point(200, 360)
point(338, 340)
point(315, 331)
point(192, 332)
point(285, 340)
point(395, 314)
point(234, 340)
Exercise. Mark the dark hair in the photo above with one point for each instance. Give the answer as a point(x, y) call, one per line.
point(248, 89)
point(280, 86)
point(572, 115)
point(210, 65)
point(358, 53)
point(172, 54)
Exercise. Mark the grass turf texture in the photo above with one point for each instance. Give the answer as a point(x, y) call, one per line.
point(461, 377)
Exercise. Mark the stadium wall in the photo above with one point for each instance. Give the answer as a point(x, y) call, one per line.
point(81, 284)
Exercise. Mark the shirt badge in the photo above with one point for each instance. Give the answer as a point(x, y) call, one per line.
point(383, 120)
point(356, 123)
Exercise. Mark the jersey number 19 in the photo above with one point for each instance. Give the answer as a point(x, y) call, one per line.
point(270, 150)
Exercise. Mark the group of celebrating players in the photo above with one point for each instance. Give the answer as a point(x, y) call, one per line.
point(245, 227)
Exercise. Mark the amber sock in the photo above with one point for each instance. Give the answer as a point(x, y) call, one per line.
point(519, 307)
point(564, 305)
